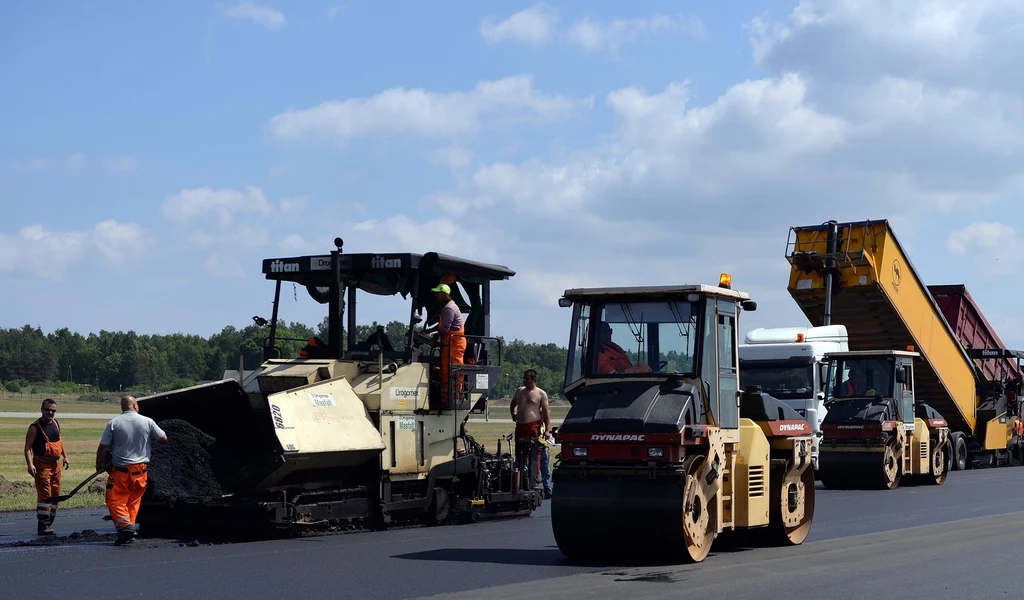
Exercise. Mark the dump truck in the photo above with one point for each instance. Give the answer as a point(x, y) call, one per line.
point(350, 433)
point(858, 274)
point(662, 449)
point(788, 363)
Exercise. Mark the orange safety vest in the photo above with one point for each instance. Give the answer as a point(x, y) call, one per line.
point(53, 449)
point(612, 358)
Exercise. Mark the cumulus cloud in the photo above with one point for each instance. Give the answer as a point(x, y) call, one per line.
point(257, 13)
point(681, 190)
point(993, 247)
point(533, 26)
point(537, 26)
point(593, 36)
point(125, 163)
point(220, 204)
point(422, 112)
point(40, 252)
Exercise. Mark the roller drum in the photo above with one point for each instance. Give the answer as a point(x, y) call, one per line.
point(859, 470)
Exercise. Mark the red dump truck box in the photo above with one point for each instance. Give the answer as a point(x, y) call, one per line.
point(972, 329)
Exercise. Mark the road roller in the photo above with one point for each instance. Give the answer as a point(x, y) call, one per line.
point(875, 432)
point(662, 450)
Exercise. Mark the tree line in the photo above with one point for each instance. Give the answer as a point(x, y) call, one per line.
point(115, 361)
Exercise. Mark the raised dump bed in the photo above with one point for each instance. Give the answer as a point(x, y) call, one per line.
point(973, 330)
point(884, 305)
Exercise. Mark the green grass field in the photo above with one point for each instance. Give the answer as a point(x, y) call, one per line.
point(66, 403)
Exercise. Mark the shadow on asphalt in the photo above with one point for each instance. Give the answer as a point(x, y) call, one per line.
point(551, 556)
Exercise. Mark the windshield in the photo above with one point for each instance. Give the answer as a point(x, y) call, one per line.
point(784, 383)
point(631, 338)
point(858, 377)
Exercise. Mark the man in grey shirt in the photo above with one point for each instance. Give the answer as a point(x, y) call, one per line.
point(125, 449)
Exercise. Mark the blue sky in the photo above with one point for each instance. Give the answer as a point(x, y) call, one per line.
point(155, 153)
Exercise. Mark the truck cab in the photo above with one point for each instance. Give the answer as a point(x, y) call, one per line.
point(788, 363)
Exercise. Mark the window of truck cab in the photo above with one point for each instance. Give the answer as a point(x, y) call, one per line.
point(608, 337)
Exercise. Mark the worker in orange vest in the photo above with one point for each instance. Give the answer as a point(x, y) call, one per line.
point(452, 329)
point(127, 439)
point(44, 453)
point(611, 358)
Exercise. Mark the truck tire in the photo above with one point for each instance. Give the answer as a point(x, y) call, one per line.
point(958, 456)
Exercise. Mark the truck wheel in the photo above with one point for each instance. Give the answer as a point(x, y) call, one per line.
point(959, 451)
point(792, 508)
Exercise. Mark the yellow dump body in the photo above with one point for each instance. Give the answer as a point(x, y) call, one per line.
point(885, 306)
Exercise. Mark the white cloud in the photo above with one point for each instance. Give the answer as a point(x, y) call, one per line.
point(220, 265)
point(39, 252)
point(257, 13)
point(594, 36)
point(432, 114)
point(455, 156)
point(680, 190)
point(334, 11)
point(533, 26)
point(293, 207)
point(36, 164)
point(126, 163)
point(994, 248)
point(223, 204)
point(954, 43)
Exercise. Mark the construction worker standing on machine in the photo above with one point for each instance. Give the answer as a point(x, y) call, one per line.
point(529, 408)
point(128, 440)
point(44, 453)
point(451, 326)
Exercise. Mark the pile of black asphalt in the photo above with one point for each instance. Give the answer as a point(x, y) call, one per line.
point(185, 466)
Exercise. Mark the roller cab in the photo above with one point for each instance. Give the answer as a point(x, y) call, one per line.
point(876, 432)
point(661, 451)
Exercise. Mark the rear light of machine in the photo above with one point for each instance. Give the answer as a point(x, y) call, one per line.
point(579, 452)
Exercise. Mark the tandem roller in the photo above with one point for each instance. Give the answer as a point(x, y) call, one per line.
point(655, 459)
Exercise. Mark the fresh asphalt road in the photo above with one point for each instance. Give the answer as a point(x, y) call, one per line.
point(913, 542)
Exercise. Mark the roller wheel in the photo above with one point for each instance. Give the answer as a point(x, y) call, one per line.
point(700, 514)
point(788, 526)
point(892, 468)
point(939, 465)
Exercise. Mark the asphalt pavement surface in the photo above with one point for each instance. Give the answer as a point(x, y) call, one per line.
point(956, 540)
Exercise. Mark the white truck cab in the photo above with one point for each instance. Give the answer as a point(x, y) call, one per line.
point(787, 363)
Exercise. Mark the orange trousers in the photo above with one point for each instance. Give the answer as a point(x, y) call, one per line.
point(47, 484)
point(453, 348)
point(124, 494)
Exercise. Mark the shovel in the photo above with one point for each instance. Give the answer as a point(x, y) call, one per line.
point(54, 499)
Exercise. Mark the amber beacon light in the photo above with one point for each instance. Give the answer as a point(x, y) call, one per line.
point(725, 280)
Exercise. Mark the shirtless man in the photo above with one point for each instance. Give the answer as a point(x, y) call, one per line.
point(529, 408)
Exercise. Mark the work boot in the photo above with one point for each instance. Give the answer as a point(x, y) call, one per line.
point(124, 537)
point(45, 529)
point(547, 493)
